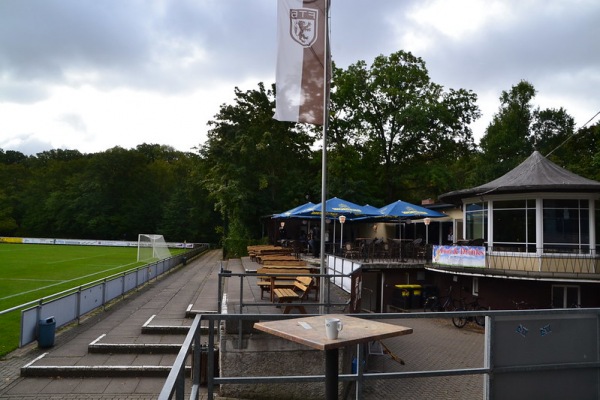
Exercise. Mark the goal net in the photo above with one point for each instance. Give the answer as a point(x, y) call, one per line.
point(151, 247)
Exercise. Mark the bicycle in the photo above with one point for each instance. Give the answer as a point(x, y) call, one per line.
point(460, 322)
point(435, 303)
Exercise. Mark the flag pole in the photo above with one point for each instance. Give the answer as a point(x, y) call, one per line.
point(324, 288)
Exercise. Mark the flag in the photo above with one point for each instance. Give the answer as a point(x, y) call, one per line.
point(301, 61)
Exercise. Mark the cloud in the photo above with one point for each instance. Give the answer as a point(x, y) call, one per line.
point(26, 143)
point(49, 39)
point(91, 74)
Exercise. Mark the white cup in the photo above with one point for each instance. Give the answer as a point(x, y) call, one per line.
point(332, 327)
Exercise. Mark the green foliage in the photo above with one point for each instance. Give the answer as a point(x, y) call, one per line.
point(508, 141)
point(236, 248)
point(115, 194)
point(406, 128)
point(519, 128)
point(580, 153)
point(255, 163)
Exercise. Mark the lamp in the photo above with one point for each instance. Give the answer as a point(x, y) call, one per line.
point(342, 219)
point(427, 221)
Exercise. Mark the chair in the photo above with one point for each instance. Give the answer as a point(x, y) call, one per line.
point(414, 249)
point(384, 250)
point(477, 242)
point(375, 349)
point(350, 251)
point(378, 348)
point(366, 249)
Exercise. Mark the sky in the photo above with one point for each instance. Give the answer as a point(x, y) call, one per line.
point(90, 75)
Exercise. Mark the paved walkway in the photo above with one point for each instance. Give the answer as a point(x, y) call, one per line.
point(435, 344)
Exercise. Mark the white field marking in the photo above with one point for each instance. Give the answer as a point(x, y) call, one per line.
point(32, 280)
point(97, 339)
point(67, 281)
point(189, 308)
point(72, 259)
point(34, 360)
point(75, 259)
point(149, 320)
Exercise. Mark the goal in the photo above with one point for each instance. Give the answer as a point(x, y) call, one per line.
point(152, 247)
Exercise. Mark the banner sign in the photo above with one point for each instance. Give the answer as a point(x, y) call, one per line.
point(459, 256)
point(301, 61)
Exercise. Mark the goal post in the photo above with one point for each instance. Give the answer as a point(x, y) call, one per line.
point(151, 247)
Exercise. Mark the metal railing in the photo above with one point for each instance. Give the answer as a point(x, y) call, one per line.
point(494, 365)
point(71, 304)
point(325, 279)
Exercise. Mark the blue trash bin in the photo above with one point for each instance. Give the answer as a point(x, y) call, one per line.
point(46, 332)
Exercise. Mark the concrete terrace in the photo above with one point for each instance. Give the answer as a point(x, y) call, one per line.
point(125, 352)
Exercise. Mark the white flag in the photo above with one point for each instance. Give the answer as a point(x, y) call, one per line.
point(301, 60)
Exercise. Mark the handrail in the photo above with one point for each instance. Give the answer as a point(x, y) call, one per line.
point(175, 384)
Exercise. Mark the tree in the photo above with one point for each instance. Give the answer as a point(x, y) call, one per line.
point(189, 215)
point(409, 127)
point(256, 165)
point(14, 175)
point(519, 128)
point(550, 129)
point(507, 140)
point(580, 152)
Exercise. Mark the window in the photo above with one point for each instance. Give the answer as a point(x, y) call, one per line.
point(514, 225)
point(565, 296)
point(476, 220)
point(566, 226)
point(597, 226)
point(475, 286)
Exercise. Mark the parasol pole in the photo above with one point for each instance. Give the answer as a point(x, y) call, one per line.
point(323, 288)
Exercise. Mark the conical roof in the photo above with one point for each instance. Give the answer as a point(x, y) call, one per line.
point(535, 174)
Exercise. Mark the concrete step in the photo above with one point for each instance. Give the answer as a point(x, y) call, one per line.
point(95, 365)
point(98, 371)
point(140, 348)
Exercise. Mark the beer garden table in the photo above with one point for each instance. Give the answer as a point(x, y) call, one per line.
point(310, 331)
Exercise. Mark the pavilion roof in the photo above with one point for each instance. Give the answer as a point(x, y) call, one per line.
point(535, 174)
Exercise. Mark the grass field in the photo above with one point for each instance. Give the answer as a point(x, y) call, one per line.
point(29, 272)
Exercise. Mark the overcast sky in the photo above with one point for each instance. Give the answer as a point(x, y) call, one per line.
point(93, 74)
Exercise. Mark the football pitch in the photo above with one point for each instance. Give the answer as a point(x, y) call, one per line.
point(31, 271)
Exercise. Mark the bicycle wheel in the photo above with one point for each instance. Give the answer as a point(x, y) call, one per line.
point(431, 304)
point(459, 322)
point(427, 306)
point(480, 319)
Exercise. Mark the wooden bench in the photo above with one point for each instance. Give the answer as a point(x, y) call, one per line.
point(262, 258)
point(285, 263)
point(260, 250)
point(278, 278)
point(292, 298)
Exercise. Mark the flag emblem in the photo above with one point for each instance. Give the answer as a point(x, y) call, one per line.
point(303, 25)
point(302, 78)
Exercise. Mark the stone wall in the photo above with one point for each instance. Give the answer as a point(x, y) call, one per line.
point(262, 354)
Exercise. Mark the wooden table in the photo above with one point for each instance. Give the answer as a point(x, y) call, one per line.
point(310, 331)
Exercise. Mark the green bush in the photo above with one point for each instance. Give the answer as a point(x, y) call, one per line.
point(237, 248)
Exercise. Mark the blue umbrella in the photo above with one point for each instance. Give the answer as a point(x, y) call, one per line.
point(402, 209)
point(335, 207)
point(371, 210)
point(294, 211)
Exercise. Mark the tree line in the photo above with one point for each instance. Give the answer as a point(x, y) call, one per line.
point(393, 134)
